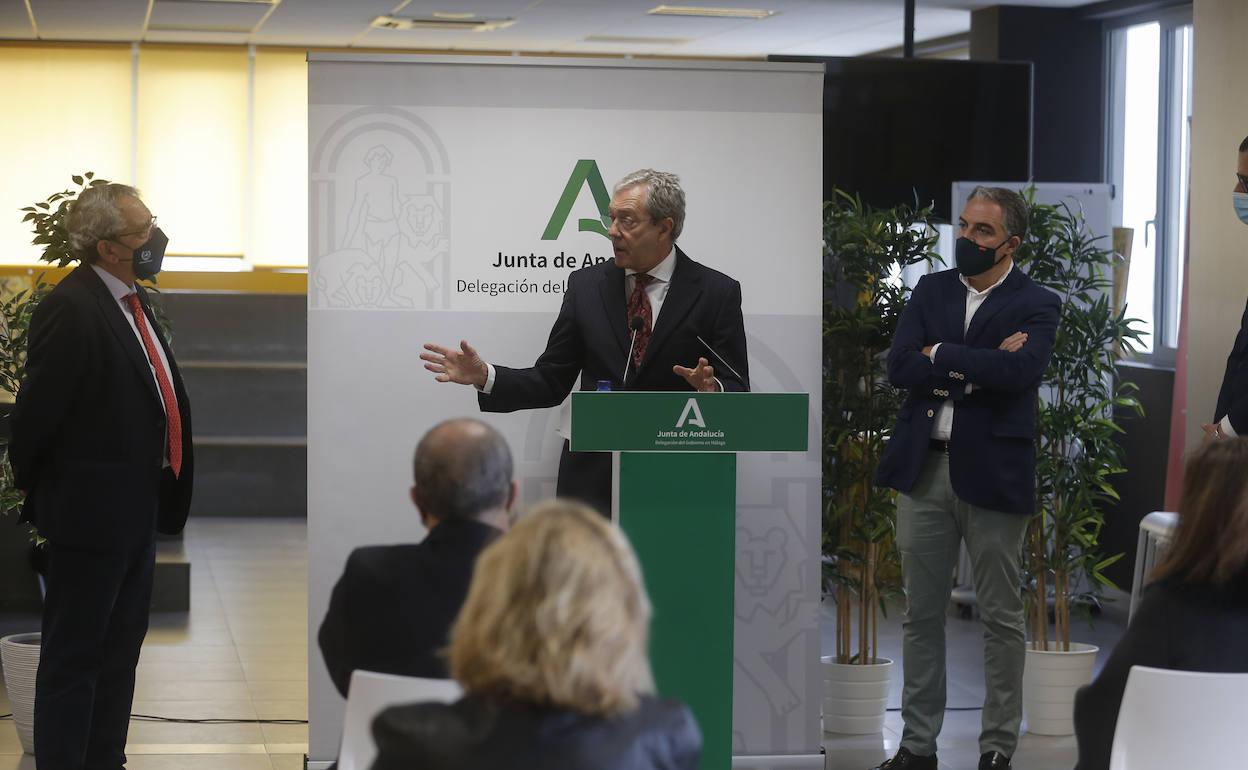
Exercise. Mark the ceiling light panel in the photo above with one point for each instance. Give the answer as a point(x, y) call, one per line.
point(711, 12)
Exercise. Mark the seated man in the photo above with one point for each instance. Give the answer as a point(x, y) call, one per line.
point(393, 606)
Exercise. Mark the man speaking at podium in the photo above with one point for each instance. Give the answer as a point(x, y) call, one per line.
point(635, 322)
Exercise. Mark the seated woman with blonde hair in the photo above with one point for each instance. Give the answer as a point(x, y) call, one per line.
point(551, 650)
point(1194, 614)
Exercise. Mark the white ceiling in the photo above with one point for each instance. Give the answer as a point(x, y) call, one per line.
point(799, 27)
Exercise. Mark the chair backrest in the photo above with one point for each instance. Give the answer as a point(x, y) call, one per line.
point(369, 695)
point(1176, 719)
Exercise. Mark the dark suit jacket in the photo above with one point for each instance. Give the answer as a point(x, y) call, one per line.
point(1233, 396)
point(591, 338)
point(992, 460)
point(88, 427)
point(1177, 626)
point(393, 606)
point(471, 735)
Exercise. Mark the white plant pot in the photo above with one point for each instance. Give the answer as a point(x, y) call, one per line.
point(855, 697)
point(20, 657)
point(1050, 680)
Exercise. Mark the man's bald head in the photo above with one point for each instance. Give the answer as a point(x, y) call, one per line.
point(462, 468)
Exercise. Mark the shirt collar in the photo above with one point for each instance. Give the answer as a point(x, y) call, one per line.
point(115, 285)
point(975, 292)
point(661, 272)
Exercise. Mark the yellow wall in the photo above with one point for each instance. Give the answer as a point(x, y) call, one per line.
point(1219, 254)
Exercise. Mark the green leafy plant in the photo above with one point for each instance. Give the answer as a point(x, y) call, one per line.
point(49, 223)
point(15, 314)
point(1076, 451)
point(864, 250)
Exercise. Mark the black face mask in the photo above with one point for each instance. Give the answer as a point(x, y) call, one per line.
point(973, 259)
point(148, 257)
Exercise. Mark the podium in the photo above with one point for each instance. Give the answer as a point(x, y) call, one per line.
point(674, 493)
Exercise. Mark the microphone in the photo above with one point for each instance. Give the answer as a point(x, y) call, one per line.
point(636, 323)
point(707, 345)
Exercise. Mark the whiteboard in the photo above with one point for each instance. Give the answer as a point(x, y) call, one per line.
point(1096, 201)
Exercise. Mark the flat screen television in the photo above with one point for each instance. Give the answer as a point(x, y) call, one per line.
point(900, 130)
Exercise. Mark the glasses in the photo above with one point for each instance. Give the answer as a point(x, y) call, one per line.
point(627, 222)
point(145, 230)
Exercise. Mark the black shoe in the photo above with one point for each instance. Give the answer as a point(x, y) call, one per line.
point(994, 760)
point(904, 760)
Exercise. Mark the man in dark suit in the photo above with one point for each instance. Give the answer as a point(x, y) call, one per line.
point(393, 607)
point(101, 446)
point(970, 349)
point(1230, 417)
point(651, 287)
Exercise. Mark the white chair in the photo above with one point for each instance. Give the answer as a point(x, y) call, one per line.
point(369, 695)
point(1179, 719)
point(1156, 529)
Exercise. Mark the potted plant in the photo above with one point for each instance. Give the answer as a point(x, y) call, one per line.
point(1076, 456)
point(864, 251)
point(19, 653)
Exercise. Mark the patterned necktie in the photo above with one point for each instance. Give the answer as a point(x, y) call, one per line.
point(173, 418)
point(639, 307)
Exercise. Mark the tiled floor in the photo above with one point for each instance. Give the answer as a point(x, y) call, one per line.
point(959, 740)
point(241, 653)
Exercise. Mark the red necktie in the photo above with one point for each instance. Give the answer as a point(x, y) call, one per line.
point(639, 307)
point(173, 418)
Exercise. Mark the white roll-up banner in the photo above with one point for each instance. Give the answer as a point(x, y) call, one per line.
point(450, 198)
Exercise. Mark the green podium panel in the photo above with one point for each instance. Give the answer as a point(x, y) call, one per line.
point(675, 497)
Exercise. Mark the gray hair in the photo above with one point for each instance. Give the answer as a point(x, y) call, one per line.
point(94, 217)
point(1013, 207)
point(462, 468)
point(664, 197)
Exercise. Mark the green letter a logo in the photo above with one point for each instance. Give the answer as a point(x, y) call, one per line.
point(586, 172)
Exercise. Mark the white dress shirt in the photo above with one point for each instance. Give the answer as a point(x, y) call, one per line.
point(942, 427)
point(120, 291)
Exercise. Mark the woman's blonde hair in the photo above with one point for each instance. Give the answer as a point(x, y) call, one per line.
point(556, 615)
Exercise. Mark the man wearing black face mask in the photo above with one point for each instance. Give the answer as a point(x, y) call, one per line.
point(970, 348)
point(101, 447)
point(1231, 413)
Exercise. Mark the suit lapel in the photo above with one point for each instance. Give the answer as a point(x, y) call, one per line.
point(955, 307)
point(114, 316)
point(612, 290)
point(996, 300)
point(682, 295)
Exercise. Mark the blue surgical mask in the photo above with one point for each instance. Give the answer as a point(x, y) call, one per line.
point(1241, 206)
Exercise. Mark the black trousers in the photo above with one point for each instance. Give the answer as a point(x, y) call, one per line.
point(95, 616)
point(586, 477)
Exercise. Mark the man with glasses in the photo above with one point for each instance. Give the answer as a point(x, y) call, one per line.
point(651, 319)
point(101, 449)
point(1230, 417)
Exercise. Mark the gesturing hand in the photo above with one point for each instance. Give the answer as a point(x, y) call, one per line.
point(463, 366)
point(701, 377)
point(1014, 342)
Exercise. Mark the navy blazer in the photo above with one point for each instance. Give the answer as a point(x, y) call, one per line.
point(1233, 395)
point(89, 426)
point(992, 460)
point(590, 338)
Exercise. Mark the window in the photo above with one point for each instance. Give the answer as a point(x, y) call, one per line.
point(1149, 154)
point(214, 137)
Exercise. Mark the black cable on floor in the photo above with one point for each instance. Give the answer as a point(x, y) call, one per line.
point(150, 718)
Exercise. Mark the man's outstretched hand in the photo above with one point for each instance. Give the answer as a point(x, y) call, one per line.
point(462, 366)
point(700, 377)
